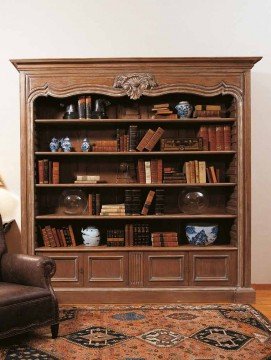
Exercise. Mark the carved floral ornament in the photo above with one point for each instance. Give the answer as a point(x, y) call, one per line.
point(134, 84)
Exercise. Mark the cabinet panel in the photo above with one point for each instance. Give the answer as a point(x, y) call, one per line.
point(69, 269)
point(167, 269)
point(213, 268)
point(106, 269)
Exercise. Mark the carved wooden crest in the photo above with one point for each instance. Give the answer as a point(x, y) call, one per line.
point(135, 84)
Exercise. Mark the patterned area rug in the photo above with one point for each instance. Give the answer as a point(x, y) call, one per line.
point(171, 332)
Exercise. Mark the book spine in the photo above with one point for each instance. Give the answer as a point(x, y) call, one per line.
point(144, 141)
point(50, 236)
point(213, 174)
point(196, 162)
point(203, 133)
point(209, 177)
point(148, 202)
point(193, 172)
point(118, 139)
point(41, 171)
point(60, 237)
point(227, 137)
point(219, 138)
point(70, 229)
point(98, 204)
point(55, 237)
point(82, 107)
point(212, 138)
point(94, 204)
point(154, 139)
point(128, 202)
point(188, 172)
point(46, 171)
point(202, 172)
point(88, 107)
point(159, 171)
point(90, 202)
point(45, 238)
point(67, 236)
point(132, 137)
point(141, 171)
point(64, 242)
point(55, 172)
point(50, 172)
point(148, 172)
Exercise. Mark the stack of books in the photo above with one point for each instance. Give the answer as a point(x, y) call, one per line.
point(105, 146)
point(115, 237)
point(94, 204)
point(215, 137)
point(206, 111)
point(132, 202)
point(87, 179)
point(172, 175)
point(150, 139)
point(137, 235)
point(113, 210)
point(162, 111)
point(150, 171)
point(169, 239)
point(58, 237)
point(48, 172)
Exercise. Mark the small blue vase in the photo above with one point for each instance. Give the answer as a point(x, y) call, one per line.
point(184, 109)
point(54, 145)
point(85, 145)
point(66, 144)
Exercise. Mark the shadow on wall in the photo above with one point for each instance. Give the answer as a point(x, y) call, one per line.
point(13, 239)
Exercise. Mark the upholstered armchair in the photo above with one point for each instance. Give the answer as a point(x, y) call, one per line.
point(27, 299)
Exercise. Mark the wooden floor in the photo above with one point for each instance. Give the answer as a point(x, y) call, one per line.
point(263, 302)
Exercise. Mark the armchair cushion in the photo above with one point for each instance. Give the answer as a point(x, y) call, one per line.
point(27, 270)
point(20, 293)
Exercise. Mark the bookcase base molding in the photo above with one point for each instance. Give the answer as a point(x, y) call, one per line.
point(134, 141)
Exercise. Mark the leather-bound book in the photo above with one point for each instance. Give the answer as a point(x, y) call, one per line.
point(60, 238)
point(141, 171)
point(41, 171)
point(55, 237)
point(159, 171)
point(90, 209)
point(55, 172)
point(98, 204)
point(132, 137)
point(154, 139)
point(148, 172)
point(193, 172)
point(212, 138)
point(72, 235)
point(82, 107)
point(227, 137)
point(45, 238)
point(202, 172)
point(203, 133)
point(154, 171)
point(46, 171)
point(213, 174)
point(145, 140)
point(50, 236)
point(148, 202)
point(219, 138)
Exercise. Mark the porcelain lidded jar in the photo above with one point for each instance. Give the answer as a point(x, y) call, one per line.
point(184, 109)
point(66, 144)
point(54, 145)
point(91, 236)
point(85, 145)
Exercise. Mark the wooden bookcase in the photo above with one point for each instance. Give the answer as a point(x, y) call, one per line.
point(132, 274)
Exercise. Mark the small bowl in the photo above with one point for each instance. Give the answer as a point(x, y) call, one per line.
point(201, 233)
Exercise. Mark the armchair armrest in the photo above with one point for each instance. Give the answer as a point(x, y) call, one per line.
point(27, 270)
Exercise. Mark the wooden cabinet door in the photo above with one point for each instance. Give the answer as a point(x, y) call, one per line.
point(106, 269)
point(165, 269)
point(213, 268)
point(69, 269)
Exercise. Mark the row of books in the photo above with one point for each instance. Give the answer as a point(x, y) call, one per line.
point(58, 237)
point(205, 111)
point(133, 205)
point(84, 107)
point(113, 209)
point(48, 172)
point(94, 204)
point(215, 137)
point(137, 235)
point(105, 146)
point(172, 175)
point(196, 172)
point(150, 171)
point(115, 237)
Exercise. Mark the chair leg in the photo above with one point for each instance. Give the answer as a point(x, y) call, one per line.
point(54, 330)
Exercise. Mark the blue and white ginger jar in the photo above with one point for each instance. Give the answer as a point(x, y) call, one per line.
point(184, 109)
point(54, 145)
point(85, 145)
point(201, 233)
point(66, 144)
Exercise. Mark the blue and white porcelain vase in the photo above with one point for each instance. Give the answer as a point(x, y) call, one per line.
point(201, 233)
point(85, 145)
point(54, 145)
point(66, 144)
point(184, 109)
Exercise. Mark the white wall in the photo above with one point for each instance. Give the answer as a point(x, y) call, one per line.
point(123, 28)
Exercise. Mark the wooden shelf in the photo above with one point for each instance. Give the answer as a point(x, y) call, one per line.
point(107, 185)
point(84, 248)
point(140, 121)
point(134, 217)
point(134, 153)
